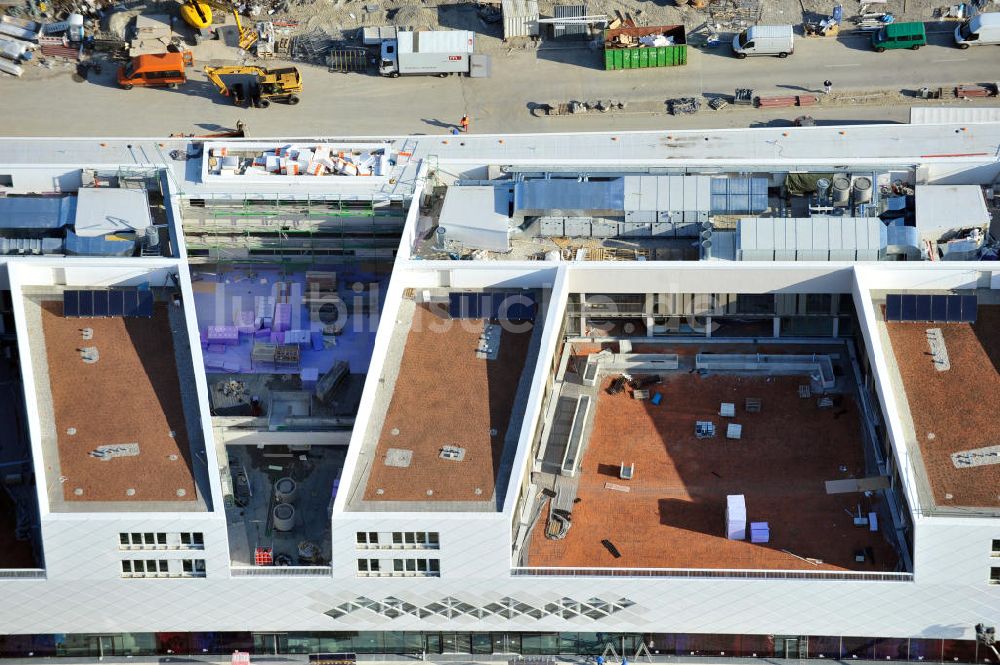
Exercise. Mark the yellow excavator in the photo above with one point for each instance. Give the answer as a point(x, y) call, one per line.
point(264, 86)
point(198, 14)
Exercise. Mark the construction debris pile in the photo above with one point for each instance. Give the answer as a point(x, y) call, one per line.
point(298, 160)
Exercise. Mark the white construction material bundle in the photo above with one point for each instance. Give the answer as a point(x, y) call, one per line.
point(736, 517)
point(11, 68)
point(12, 49)
point(760, 532)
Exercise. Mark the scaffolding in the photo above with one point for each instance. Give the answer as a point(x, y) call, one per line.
point(294, 231)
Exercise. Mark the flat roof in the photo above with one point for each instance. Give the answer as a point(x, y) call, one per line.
point(446, 396)
point(120, 431)
point(953, 410)
point(673, 513)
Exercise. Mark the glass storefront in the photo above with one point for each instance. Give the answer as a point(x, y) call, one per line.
point(504, 643)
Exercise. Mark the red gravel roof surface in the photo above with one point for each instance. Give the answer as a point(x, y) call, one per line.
point(957, 409)
point(130, 395)
point(446, 396)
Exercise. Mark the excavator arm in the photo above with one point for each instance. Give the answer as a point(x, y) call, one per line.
point(215, 75)
point(198, 14)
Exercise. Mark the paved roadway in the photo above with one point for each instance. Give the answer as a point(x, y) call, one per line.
point(343, 104)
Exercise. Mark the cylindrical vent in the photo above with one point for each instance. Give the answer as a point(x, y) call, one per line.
point(152, 236)
point(706, 249)
point(840, 190)
point(706, 235)
point(862, 189)
point(822, 187)
point(441, 232)
point(284, 490)
point(284, 517)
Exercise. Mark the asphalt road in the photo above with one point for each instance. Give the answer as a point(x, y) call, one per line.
point(55, 105)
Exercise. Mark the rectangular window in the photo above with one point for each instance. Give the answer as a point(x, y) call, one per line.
point(127, 567)
point(410, 537)
point(751, 303)
point(362, 538)
point(435, 566)
point(161, 539)
point(995, 575)
point(397, 537)
point(397, 565)
point(374, 565)
point(432, 539)
point(187, 565)
point(422, 565)
point(136, 538)
point(148, 539)
point(996, 547)
point(199, 566)
point(199, 538)
point(362, 564)
point(138, 566)
point(123, 539)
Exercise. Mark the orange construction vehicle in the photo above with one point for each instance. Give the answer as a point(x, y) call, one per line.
point(158, 69)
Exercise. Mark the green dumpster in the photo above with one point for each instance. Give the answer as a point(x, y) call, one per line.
point(624, 50)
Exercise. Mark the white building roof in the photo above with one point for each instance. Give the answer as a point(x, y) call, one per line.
point(940, 208)
point(104, 210)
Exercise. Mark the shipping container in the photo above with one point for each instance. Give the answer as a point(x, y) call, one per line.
point(623, 49)
point(520, 18)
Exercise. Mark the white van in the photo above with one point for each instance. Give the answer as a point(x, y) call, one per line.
point(764, 40)
point(981, 29)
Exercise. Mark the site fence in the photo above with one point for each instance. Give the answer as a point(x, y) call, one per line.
point(857, 576)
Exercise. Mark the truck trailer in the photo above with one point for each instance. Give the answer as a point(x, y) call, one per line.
point(432, 53)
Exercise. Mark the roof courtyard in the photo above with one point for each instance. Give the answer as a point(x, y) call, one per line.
point(453, 396)
point(671, 513)
point(116, 413)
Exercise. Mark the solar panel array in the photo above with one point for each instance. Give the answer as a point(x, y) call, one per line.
point(494, 306)
point(108, 303)
point(941, 309)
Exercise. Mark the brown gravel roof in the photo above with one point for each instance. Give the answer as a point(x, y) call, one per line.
point(130, 395)
point(444, 395)
point(956, 409)
point(674, 514)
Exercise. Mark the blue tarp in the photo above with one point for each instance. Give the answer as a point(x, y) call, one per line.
point(37, 213)
point(97, 246)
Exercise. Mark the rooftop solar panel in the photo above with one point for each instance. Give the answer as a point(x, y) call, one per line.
point(909, 308)
point(893, 307)
point(86, 303)
point(71, 304)
point(100, 303)
point(954, 309)
point(923, 308)
point(145, 304)
point(969, 306)
point(116, 303)
point(939, 308)
point(130, 303)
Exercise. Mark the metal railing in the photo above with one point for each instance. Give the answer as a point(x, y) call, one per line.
point(22, 573)
point(281, 571)
point(692, 573)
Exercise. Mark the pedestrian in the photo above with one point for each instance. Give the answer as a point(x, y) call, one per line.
point(827, 87)
point(464, 124)
point(454, 131)
point(600, 660)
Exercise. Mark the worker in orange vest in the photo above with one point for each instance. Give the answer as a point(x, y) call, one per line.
point(464, 124)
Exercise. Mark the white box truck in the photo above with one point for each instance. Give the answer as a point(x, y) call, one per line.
point(431, 53)
point(776, 40)
point(981, 29)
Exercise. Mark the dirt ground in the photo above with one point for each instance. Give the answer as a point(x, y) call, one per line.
point(673, 515)
point(130, 395)
point(444, 395)
point(956, 409)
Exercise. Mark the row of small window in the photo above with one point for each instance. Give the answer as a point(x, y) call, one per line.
point(161, 541)
point(399, 568)
point(163, 568)
point(415, 540)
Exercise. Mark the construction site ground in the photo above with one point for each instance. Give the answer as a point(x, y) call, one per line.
point(867, 87)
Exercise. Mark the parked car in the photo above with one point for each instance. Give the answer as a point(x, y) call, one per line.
point(776, 40)
point(899, 35)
